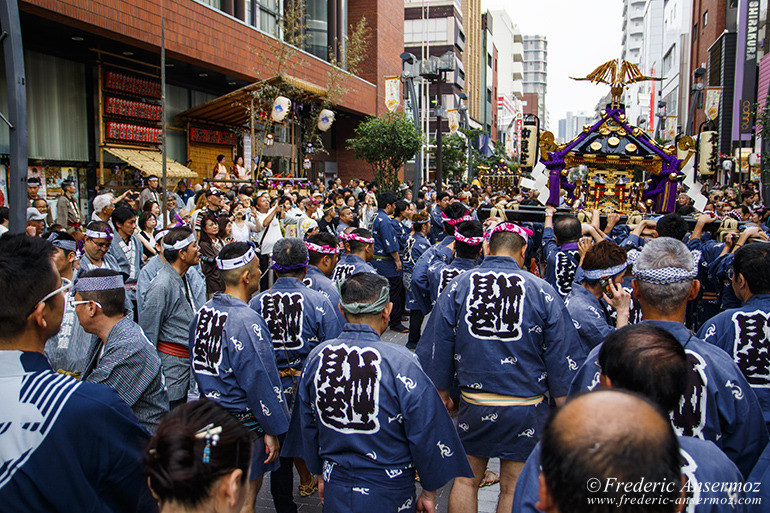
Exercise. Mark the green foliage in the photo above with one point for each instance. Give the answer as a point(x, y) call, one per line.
point(386, 143)
point(763, 122)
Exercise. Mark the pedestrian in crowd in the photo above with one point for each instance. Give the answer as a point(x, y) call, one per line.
point(232, 360)
point(35, 222)
point(124, 359)
point(168, 308)
point(365, 430)
point(126, 250)
point(323, 254)
point(67, 210)
point(242, 227)
point(239, 172)
point(96, 248)
point(199, 460)
point(415, 246)
point(150, 193)
point(210, 245)
point(33, 190)
point(147, 223)
point(42, 206)
point(467, 246)
point(103, 208)
point(359, 250)
point(220, 173)
point(268, 214)
point(386, 259)
point(71, 443)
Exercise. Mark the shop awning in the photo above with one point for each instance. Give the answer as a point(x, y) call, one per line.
point(232, 109)
point(150, 162)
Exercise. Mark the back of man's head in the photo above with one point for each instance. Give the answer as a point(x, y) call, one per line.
point(566, 228)
point(599, 442)
point(290, 254)
point(604, 255)
point(27, 274)
point(454, 211)
point(401, 206)
point(112, 300)
point(358, 246)
point(665, 284)
point(648, 360)
point(320, 239)
point(386, 198)
point(752, 261)
point(506, 243)
point(672, 225)
point(363, 295)
point(232, 277)
point(469, 229)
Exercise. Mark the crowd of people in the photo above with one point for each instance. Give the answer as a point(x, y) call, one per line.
point(166, 351)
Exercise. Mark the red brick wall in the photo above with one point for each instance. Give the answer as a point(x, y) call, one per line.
point(348, 166)
point(717, 10)
point(205, 37)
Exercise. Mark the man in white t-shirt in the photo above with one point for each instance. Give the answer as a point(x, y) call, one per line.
point(269, 219)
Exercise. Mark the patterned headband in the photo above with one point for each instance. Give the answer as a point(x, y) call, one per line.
point(159, 236)
point(365, 308)
point(454, 222)
point(326, 250)
point(94, 283)
point(598, 274)
point(181, 244)
point(66, 245)
point(667, 275)
point(289, 268)
point(353, 236)
point(473, 241)
point(526, 233)
point(235, 263)
point(93, 234)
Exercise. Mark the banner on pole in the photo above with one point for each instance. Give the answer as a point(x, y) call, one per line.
point(392, 92)
point(453, 118)
point(713, 96)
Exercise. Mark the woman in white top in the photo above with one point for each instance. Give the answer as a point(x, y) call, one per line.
point(242, 228)
point(239, 172)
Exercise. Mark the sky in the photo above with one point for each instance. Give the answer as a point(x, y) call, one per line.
point(582, 34)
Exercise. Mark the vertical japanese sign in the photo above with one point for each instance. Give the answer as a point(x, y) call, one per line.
point(713, 96)
point(453, 118)
point(392, 92)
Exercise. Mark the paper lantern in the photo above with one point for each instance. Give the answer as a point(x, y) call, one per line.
point(280, 109)
point(708, 159)
point(325, 120)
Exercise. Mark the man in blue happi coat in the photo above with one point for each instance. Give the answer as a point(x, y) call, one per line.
point(359, 249)
point(560, 249)
point(231, 353)
point(443, 200)
point(469, 237)
point(386, 259)
point(510, 340)
point(323, 251)
point(744, 333)
point(648, 360)
point(719, 404)
point(65, 445)
point(298, 319)
point(416, 245)
point(603, 269)
point(367, 417)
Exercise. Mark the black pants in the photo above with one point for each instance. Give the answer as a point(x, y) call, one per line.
point(282, 486)
point(415, 326)
point(264, 267)
point(397, 298)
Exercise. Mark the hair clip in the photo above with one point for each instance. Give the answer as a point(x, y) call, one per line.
point(211, 435)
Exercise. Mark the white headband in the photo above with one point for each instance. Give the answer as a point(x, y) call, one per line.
point(159, 236)
point(180, 244)
point(98, 235)
point(598, 274)
point(235, 263)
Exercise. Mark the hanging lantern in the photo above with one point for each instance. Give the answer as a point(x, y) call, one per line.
point(281, 107)
point(529, 142)
point(325, 120)
point(269, 139)
point(708, 159)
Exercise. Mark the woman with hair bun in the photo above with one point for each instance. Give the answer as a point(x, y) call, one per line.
point(199, 460)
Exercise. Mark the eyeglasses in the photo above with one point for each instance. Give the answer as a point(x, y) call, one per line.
point(66, 285)
point(84, 302)
point(101, 245)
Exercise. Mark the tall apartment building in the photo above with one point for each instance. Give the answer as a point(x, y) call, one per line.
point(572, 125)
point(631, 50)
point(536, 76)
point(473, 61)
point(650, 65)
point(510, 50)
point(488, 90)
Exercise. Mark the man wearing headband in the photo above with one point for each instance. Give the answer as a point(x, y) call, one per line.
point(368, 418)
point(298, 319)
point(67, 351)
point(126, 249)
point(742, 332)
point(168, 309)
point(454, 214)
point(386, 259)
point(323, 250)
point(194, 275)
point(33, 187)
point(469, 237)
point(503, 331)
point(233, 363)
point(415, 246)
point(123, 359)
point(604, 266)
point(96, 248)
point(719, 404)
point(359, 250)
point(67, 210)
point(346, 220)
point(65, 443)
point(443, 200)
point(151, 192)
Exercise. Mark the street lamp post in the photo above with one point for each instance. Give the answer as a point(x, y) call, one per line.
point(661, 114)
point(408, 61)
point(464, 109)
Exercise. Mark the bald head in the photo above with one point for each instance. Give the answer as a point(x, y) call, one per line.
point(615, 437)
